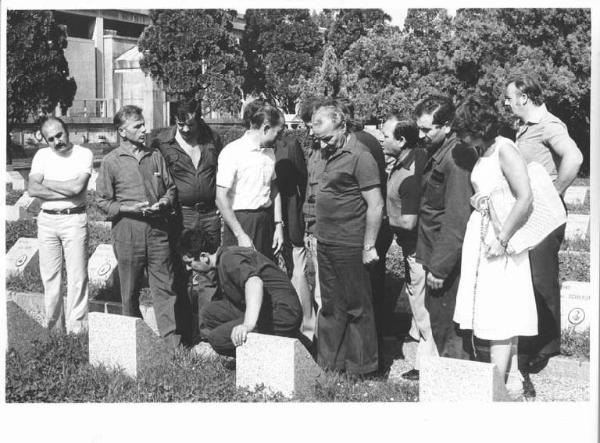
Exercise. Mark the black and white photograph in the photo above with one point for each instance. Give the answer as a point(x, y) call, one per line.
point(219, 212)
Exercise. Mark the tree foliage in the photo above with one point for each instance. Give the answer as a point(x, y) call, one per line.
point(192, 53)
point(36, 69)
point(281, 46)
point(351, 24)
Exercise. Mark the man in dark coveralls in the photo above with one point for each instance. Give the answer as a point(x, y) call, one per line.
point(255, 295)
point(443, 216)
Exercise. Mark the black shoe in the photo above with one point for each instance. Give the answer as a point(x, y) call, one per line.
point(528, 388)
point(412, 375)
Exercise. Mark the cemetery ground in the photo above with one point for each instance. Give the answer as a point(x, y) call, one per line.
point(56, 367)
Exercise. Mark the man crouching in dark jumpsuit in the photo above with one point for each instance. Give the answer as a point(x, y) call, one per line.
point(255, 295)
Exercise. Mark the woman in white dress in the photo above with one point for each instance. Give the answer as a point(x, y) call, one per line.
point(495, 295)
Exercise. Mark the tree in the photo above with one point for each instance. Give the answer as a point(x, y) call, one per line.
point(192, 53)
point(326, 81)
point(281, 46)
point(37, 71)
point(351, 24)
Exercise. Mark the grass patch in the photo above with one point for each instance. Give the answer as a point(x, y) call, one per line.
point(13, 196)
point(58, 371)
point(575, 344)
point(574, 266)
point(576, 244)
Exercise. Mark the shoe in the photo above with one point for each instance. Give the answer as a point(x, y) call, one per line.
point(412, 375)
point(205, 351)
point(528, 388)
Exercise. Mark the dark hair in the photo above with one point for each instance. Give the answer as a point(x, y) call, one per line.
point(407, 129)
point(529, 85)
point(125, 113)
point(192, 242)
point(260, 111)
point(439, 106)
point(477, 118)
point(192, 107)
point(308, 106)
point(49, 118)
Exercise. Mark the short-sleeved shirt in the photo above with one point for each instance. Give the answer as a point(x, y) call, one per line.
point(341, 208)
point(404, 193)
point(53, 166)
point(537, 141)
point(248, 170)
point(236, 264)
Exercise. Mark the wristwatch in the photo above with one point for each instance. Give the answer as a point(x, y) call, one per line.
point(280, 222)
point(503, 243)
point(368, 247)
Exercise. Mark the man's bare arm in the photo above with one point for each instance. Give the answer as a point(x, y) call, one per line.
point(68, 188)
point(39, 190)
point(225, 206)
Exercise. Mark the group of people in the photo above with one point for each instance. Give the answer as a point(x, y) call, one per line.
point(207, 224)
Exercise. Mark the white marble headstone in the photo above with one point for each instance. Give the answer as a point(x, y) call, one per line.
point(575, 308)
point(575, 195)
point(29, 203)
point(16, 180)
point(578, 226)
point(102, 266)
point(16, 213)
point(23, 255)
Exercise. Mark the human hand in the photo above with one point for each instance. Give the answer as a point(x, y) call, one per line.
point(244, 240)
point(495, 249)
point(158, 206)
point(306, 240)
point(136, 208)
point(433, 282)
point(277, 239)
point(239, 334)
point(370, 256)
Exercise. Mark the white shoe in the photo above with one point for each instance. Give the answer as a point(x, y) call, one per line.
point(205, 351)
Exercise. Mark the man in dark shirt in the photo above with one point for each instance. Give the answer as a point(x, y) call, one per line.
point(190, 150)
point(443, 216)
point(349, 209)
point(290, 168)
point(137, 193)
point(256, 296)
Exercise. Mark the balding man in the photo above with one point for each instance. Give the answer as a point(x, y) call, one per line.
point(59, 177)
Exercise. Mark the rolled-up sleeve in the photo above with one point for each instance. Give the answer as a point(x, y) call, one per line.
point(105, 193)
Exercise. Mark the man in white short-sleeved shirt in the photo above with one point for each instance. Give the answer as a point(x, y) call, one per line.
point(247, 193)
point(59, 177)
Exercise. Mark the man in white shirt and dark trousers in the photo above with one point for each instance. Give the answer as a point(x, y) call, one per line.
point(247, 194)
point(59, 177)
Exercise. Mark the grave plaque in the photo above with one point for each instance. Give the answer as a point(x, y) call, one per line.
point(16, 180)
point(23, 255)
point(92, 181)
point(281, 364)
point(452, 380)
point(102, 266)
point(29, 204)
point(578, 226)
point(22, 328)
point(575, 195)
point(128, 343)
point(16, 213)
point(575, 308)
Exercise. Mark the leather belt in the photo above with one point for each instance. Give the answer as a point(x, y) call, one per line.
point(201, 208)
point(68, 211)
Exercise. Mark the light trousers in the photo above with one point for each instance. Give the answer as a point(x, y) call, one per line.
point(316, 292)
point(64, 236)
point(420, 327)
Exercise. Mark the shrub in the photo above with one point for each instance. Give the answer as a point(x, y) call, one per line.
point(574, 266)
point(575, 344)
point(12, 196)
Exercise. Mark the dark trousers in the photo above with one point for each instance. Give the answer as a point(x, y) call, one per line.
point(221, 316)
point(543, 260)
point(258, 225)
point(451, 341)
point(139, 245)
point(377, 277)
point(193, 290)
point(347, 337)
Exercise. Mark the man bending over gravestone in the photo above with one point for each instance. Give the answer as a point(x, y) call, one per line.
point(255, 295)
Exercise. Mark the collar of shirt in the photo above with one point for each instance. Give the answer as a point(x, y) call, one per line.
point(406, 161)
point(123, 150)
point(448, 143)
point(251, 145)
point(193, 151)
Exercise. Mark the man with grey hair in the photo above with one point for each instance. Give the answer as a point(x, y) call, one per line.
point(543, 138)
point(137, 193)
point(59, 177)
